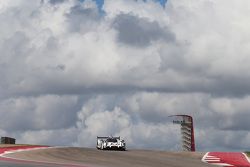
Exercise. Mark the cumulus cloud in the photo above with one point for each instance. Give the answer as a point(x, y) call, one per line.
point(66, 66)
point(96, 120)
point(54, 2)
point(49, 137)
point(136, 31)
point(40, 113)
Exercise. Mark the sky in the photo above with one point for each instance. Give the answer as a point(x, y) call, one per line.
point(72, 70)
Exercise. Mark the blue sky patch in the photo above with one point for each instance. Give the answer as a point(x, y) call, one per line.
point(101, 2)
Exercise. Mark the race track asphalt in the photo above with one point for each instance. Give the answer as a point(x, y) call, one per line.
point(89, 157)
point(20, 164)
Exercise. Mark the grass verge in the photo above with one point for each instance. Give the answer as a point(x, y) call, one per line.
point(248, 153)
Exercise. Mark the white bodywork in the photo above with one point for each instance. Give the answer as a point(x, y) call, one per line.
point(110, 143)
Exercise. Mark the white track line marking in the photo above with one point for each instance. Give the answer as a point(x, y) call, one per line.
point(4, 155)
point(212, 160)
point(246, 157)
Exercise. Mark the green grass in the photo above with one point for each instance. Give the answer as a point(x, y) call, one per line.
point(248, 153)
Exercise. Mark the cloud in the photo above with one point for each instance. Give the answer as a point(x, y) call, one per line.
point(54, 2)
point(81, 18)
point(49, 137)
point(140, 32)
point(66, 66)
point(96, 120)
point(40, 113)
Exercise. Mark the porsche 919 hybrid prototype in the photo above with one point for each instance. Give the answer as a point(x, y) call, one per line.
point(110, 143)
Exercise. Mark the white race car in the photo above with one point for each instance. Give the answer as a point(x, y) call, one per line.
point(110, 143)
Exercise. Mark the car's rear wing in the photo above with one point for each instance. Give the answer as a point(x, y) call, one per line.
point(106, 137)
point(100, 138)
